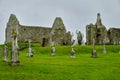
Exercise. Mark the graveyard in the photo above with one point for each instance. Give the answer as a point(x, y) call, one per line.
point(51, 53)
point(59, 40)
point(43, 66)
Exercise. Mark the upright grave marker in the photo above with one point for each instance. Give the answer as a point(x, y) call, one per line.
point(104, 47)
point(72, 54)
point(5, 52)
point(53, 51)
point(0, 51)
point(94, 54)
point(15, 53)
point(30, 53)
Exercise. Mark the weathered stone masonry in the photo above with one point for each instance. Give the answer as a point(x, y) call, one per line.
point(44, 35)
point(99, 32)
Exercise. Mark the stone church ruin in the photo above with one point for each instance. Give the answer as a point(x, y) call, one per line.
point(57, 35)
point(101, 35)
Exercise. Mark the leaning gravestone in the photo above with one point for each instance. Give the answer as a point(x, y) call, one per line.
point(53, 51)
point(15, 54)
point(5, 52)
point(72, 54)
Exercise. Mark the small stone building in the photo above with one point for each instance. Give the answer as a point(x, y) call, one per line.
point(46, 36)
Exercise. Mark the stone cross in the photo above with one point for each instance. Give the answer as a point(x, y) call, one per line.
point(5, 52)
point(72, 54)
point(30, 54)
point(15, 53)
point(53, 51)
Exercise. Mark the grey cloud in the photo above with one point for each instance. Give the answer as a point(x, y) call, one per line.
point(76, 14)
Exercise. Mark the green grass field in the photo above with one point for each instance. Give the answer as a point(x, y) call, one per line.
point(43, 66)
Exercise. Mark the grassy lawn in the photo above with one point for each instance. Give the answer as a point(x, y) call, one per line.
point(43, 66)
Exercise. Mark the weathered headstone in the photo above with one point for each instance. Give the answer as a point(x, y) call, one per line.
point(94, 53)
point(30, 54)
point(0, 51)
point(15, 53)
point(5, 52)
point(72, 54)
point(53, 51)
point(104, 49)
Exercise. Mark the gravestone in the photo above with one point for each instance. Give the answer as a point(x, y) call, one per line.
point(5, 52)
point(0, 52)
point(104, 49)
point(30, 54)
point(53, 51)
point(72, 54)
point(15, 53)
point(94, 54)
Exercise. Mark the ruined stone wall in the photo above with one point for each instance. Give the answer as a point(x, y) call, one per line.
point(13, 23)
point(114, 35)
point(101, 35)
point(97, 32)
point(34, 33)
point(58, 31)
point(90, 33)
point(44, 35)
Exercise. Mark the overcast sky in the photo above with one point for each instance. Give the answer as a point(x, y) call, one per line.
point(76, 14)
